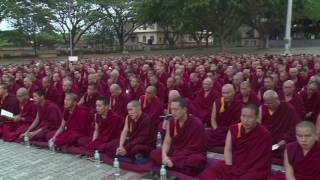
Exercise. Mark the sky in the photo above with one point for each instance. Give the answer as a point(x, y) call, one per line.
point(4, 25)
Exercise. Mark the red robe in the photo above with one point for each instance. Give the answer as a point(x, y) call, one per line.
point(50, 118)
point(225, 118)
point(53, 95)
point(311, 104)
point(135, 94)
point(78, 123)
point(203, 104)
point(153, 108)
point(118, 104)
point(140, 138)
point(187, 150)
point(90, 102)
point(12, 130)
point(304, 167)
point(251, 156)
point(281, 123)
point(297, 104)
point(9, 103)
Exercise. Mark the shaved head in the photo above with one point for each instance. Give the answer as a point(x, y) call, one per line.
point(228, 92)
point(270, 94)
point(306, 135)
point(173, 94)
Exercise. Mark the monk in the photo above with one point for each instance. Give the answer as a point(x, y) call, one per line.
point(75, 123)
point(29, 85)
point(246, 95)
point(107, 127)
point(153, 80)
point(89, 98)
point(290, 96)
point(204, 100)
point(47, 120)
point(8, 101)
point(137, 138)
point(301, 158)
point(136, 88)
point(247, 153)
point(19, 124)
point(51, 91)
point(118, 100)
point(225, 112)
point(152, 105)
point(183, 147)
point(280, 118)
point(311, 101)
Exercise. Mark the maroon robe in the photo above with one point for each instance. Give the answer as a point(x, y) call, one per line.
point(118, 104)
point(12, 130)
point(50, 118)
point(135, 94)
point(140, 138)
point(53, 94)
point(187, 151)
point(194, 87)
point(203, 104)
point(281, 123)
point(231, 115)
point(311, 104)
point(90, 102)
point(297, 103)
point(251, 156)
point(253, 99)
point(153, 108)
point(77, 125)
point(304, 167)
point(9, 103)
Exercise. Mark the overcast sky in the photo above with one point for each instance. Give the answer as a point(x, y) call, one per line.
point(4, 25)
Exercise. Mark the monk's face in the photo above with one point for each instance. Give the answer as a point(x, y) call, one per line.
point(177, 111)
point(268, 83)
point(37, 99)
point(91, 90)
point(248, 119)
point(207, 85)
point(288, 88)
point(101, 107)
point(306, 137)
point(69, 102)
point(271, 102)
point(244, 90)
point(228, 94)
point(133, 112)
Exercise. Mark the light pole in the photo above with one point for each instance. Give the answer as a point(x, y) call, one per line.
point(287, 37)
point(72, 3)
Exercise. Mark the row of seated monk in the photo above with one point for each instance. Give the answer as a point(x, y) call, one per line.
point(246, 142)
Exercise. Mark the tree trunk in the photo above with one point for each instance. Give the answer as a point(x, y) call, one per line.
point(264, 40)
point(222, 43)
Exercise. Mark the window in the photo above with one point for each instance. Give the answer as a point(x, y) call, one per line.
point(144, 39)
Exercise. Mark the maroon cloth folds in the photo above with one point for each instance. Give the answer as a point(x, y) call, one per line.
point(251, 156)
point(204, 104)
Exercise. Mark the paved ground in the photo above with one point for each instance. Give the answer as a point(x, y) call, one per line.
point(17, 162)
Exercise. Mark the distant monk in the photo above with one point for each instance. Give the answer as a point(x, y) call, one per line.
point(247, 153)
point(246, 95)
point(107, 127)
point(183, 147)
point(301, 158)
point(204, 99)
point(137, 137)
point(290, 96)
point(51, 91)
point(19, 124)
point(225, 112)
point(152, 105)
point(75, 122)
point(89, 98)
point(118, 100)
point(136, 88)
point(279, 118)
point(48, 118)
point(29, 85)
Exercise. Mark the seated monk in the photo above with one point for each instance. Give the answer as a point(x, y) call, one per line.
point(118, 100)
point(183, 147)
point(279, 118)
point(204, 99)
point(246, 95)
point(89, 98)
point(47, 120)
point(51, 91)
point(75, 122)
point(225, 112)
point(107, 127)
point(152, 105)
point(19, 124)
point(301, 158)
point(290, 96)
point(136, 88)
point(247, 153)
point(8, 102)
point(138, 136)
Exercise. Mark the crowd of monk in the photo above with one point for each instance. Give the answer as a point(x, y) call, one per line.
point(241, 106)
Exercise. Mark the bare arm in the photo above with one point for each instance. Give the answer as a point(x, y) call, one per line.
point(213, 116)
point(166, 142)
point(34, 123)
point(61, 129)
point(81, 101)
point(124, 133)
point(288, 168)
point(260, 115)
point(96, 131)
point(228, 150)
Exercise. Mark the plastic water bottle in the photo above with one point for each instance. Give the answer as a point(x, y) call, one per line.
point(116, 167)
point(159, 140)
point(51, 146)
point(26, 140)
point(163, 173)
point(97, 158)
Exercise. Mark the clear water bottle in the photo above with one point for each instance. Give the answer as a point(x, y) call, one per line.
point(51, 146)
point(97, 158)
point(116, 167)
point(159, 140)
point(26, 140)
point(163, 173)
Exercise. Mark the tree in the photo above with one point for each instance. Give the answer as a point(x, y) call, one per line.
point(121, 15)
